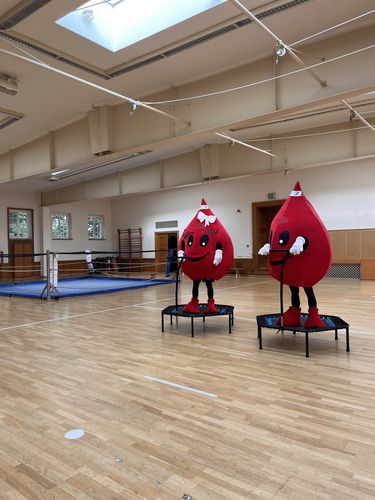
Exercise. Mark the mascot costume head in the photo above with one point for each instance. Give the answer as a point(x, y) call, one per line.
point(297, 217)
point(207, 250)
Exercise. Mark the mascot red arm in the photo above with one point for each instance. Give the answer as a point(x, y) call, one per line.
point(300, 241)
point(207, 251)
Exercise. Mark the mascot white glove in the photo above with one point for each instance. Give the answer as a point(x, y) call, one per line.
point(218, 257)
point(297, 246)
point(265, 250)
point(180, 254)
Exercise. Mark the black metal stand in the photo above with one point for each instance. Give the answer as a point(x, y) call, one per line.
point(272, 320)
point(332, 323)
point(177, 311)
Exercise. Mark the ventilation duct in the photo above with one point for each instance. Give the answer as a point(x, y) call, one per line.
point(101, 129)
point(8, 117)
point(209, 156)
point(20, 12)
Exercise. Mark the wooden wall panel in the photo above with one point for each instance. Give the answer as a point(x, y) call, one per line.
point(353, 244)
point(338, 239)
point(368, 244)
point(368, 269)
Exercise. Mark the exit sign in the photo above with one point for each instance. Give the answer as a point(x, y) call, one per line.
point(271, 196)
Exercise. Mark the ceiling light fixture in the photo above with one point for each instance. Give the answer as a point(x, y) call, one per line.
point(88, 15)
point(280, 51)
point(133, 107)
point(60, 171)
point(8, 85)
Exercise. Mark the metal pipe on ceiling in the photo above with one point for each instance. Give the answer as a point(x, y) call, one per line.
point(280, 43)
point(93, 85)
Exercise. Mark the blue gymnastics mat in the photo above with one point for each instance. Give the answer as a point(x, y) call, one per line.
point(70, 287)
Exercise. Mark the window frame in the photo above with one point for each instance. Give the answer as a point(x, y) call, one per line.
point(102, 227)
point(30, 236)
point(69, 225)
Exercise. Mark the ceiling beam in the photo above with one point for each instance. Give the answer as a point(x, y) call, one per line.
point(358, 115)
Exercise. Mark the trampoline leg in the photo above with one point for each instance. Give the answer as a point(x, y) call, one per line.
point(336, 335)
point(232, 318)
point(307, 344)
point(171, 319)
point(162, 322)
point(260, 337)
point(294, 333)
point(192, 326)
point(230, 324)
point(204, 319)
point(347, 340)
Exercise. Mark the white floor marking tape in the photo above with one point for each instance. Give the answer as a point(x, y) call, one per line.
point(148, 307)
point(23, 325)
point(178, 386)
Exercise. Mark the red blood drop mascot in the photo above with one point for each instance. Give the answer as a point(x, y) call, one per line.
point(208, 254)
point(298, 230)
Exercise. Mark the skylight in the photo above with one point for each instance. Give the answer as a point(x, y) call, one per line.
point(116, 24)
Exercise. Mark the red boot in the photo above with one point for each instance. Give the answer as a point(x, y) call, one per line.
point(292, 317)
point(313, 319)
point(192, 306)
point(211, 308)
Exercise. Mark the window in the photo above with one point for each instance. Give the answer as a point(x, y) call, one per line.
point(116, 24)
point(95, 226)
point(20, 224)
point(61, 226)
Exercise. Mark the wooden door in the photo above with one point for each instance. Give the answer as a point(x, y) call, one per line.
point(161, 251)
point(166, 245)
point(263, 215)
point(22, 266)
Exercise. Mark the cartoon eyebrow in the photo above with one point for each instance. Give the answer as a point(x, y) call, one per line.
point(186, 234)
point(212, 231)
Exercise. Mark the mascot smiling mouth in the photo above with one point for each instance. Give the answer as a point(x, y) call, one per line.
point(277, 262)
point(280, 261)
point(197, 259)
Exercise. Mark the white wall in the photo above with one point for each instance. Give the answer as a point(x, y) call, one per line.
point(17, 199)
point(79, 212)
point(343, 195)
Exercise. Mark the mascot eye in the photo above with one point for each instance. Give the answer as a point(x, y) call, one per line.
point(284, 238)
point(190, 240)
point(204, 240)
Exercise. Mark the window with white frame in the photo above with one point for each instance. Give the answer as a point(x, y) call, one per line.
point(61, 226)
point(20, 224)
point(95, 226)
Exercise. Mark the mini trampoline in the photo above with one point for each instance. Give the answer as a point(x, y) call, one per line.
point(70, 287)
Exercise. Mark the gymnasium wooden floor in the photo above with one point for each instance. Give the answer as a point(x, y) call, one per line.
point(282, 426)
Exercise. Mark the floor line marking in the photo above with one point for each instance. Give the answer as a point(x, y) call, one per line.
point(72, 316)
point(179, 386)
point(148, 307)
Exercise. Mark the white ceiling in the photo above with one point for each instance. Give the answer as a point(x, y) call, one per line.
point(42, 96)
